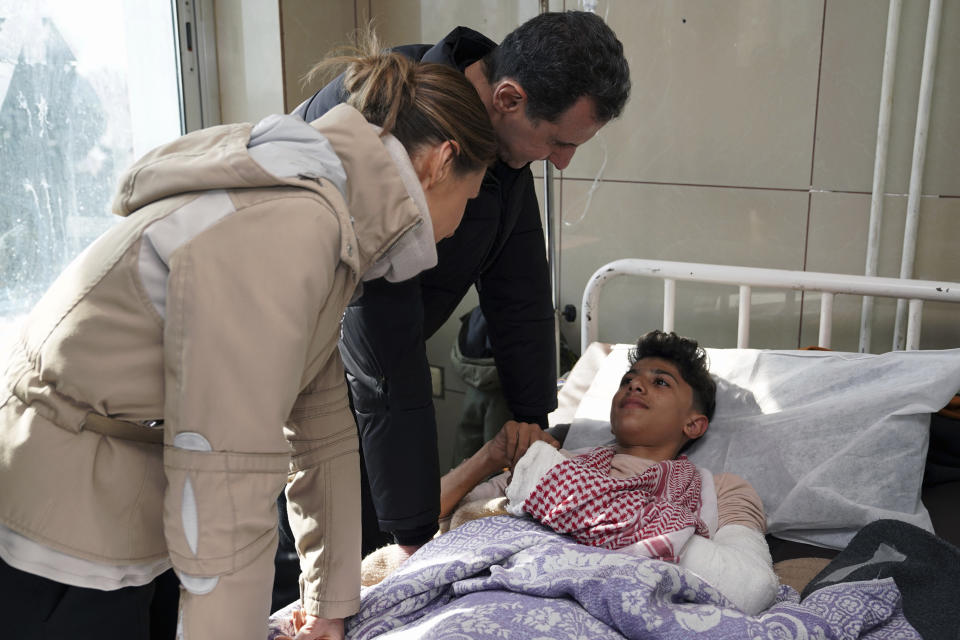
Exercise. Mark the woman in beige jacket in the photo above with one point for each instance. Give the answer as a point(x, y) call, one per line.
point(184, 369)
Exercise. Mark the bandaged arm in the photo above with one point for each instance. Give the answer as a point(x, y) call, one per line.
point(736, 559)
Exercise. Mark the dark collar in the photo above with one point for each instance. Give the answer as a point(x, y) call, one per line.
point(460, 48)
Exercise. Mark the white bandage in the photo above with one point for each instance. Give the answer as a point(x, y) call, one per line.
point(538, 459)
point(736, 561)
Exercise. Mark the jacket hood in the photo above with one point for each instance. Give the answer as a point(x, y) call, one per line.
point(415, 250)
point(388, 213)
point(382, 192)
point(212, 158)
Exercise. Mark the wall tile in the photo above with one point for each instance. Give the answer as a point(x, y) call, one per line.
point(748, 227)
point(408, 21)
point(249, 60)
point(837, 246)
point(724, 93)
point(853, 50)
point(311, 30)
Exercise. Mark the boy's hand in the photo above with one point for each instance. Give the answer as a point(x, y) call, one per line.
point(512, 441)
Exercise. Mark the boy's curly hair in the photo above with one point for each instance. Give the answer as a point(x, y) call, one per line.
point(689, 358)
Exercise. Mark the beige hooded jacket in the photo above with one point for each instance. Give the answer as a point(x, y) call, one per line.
point(214, 306)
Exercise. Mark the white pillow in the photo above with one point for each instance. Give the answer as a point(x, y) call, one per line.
point(831, 441)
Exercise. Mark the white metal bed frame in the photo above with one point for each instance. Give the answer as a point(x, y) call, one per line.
point(746, 278)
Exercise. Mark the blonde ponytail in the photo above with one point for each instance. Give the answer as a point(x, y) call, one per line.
point(419, 103)
point(382, 86)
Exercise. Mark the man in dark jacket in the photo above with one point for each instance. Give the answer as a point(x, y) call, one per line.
point(549, 87)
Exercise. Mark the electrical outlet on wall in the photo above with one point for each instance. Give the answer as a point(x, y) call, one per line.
point(436, 379)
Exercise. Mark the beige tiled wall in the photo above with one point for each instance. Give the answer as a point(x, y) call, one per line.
point(837, 243)
point(750, 227)
point(853, 45)
point(406, 21)
point(720, 91)
point(311, 30)
point(749, 139)
point(249, 61)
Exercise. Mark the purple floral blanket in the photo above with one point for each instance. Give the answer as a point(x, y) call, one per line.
point(506, 577)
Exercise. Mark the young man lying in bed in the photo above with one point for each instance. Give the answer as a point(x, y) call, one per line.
point(637, 496)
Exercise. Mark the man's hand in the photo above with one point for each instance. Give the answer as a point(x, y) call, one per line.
point(314, 628)
point(512, 441)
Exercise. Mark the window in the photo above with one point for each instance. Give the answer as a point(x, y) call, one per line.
point(85, 89)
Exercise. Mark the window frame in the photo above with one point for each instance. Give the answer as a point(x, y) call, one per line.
point(193, 27)
point(195, 39)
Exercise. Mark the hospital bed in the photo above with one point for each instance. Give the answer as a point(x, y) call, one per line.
point(832, 441)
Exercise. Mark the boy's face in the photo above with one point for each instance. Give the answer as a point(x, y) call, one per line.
point(652, 407)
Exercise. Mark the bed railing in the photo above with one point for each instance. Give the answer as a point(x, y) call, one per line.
point(827, 284)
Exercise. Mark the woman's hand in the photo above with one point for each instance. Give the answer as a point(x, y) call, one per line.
point(314, 628)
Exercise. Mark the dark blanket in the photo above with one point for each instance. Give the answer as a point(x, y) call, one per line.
point(925, 568)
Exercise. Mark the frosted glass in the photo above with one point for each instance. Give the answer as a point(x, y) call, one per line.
point(85, 87)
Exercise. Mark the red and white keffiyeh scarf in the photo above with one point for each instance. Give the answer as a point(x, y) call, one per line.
point(657, 510)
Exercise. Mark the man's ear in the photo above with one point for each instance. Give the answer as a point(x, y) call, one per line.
point(696, 426)
point(509, 97)
point(436, 164)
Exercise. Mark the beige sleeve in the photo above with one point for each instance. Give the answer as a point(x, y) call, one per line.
point(323, 496)
point(738, 502)
point(243, 298)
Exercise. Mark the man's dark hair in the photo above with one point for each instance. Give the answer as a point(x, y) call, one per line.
point(689, 359)
point(559, 57)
